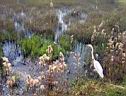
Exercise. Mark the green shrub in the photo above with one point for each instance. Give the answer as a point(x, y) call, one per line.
point(45, 45)
point(56, 48)
point(37, 46)
point(31, 46)
point(65, 42)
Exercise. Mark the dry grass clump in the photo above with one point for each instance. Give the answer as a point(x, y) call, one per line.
point(11, 82)
point(51, 77)
point(88, 87)
point(4, 2)
point(115, 58)
point(44, 24)
point(6, 66)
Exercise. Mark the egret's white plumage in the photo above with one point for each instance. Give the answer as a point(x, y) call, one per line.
point(97, 65)
point(98, 68)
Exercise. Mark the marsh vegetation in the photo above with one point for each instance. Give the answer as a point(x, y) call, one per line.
point(44, 47)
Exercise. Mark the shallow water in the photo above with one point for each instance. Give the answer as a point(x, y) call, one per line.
point(11, 50)
point(62, 26)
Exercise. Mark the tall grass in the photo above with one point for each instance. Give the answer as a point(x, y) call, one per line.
point(88, 87)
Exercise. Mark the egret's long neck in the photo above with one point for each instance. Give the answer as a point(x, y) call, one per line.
point(92, 54)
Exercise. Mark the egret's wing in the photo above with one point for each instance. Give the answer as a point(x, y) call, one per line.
point(98, 68)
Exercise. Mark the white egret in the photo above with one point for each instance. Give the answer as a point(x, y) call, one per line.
point(97, 65)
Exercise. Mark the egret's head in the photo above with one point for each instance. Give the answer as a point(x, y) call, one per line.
point(89, 45)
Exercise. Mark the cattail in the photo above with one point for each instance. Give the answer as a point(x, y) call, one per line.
point(72, 38)
point(35, 82)
point(11, 81)
point(51, 4)
point(6, 65)
point(95, 29)
point(110, 44)
point(42, 87)
point(43, 59)
point(53, 68)
point(112, 58)
point(32, 82)
point(39, 78)
point(124, 54)
point(29, 81)
point(5, 59)
point(103, 32)
point(50, 49)
point(62, 67)
point(55, 82)
point(112, 32)
point(61, 57)
point(57, 67)
point(46, 58)
point(101, 25)
point(120, 46)
point(94, 33)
